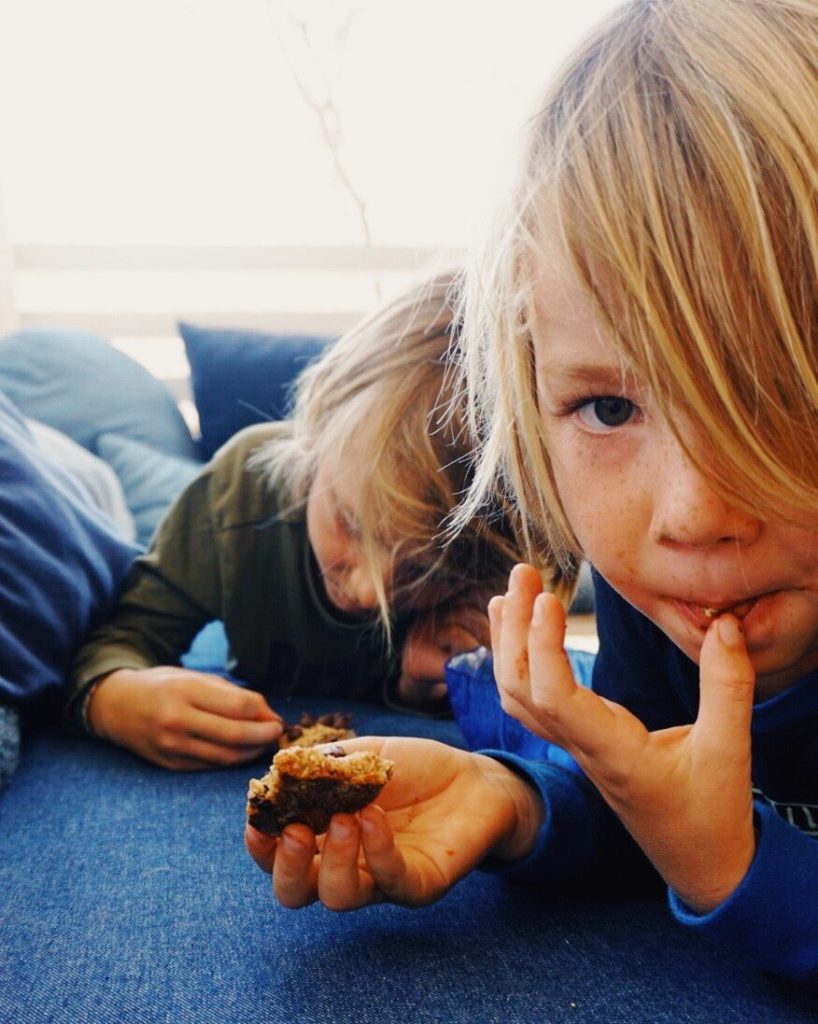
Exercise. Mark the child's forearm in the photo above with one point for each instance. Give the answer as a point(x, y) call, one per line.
point(153, 624)
point(577, 833)
point(771, 917)
point(92, 665)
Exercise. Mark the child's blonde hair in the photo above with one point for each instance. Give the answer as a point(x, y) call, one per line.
point(676, 158)
point(382, 389)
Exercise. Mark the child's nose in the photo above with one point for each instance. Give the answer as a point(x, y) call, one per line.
point(686, 509)
point(361, 587)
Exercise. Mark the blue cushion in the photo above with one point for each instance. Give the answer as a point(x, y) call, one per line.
point(242, 377)
point(81, 385)
point(209, 650)
point(127, 895)
point(475, 702)
point(151, 479)
point(61, 567)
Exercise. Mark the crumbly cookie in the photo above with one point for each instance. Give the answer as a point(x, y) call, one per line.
point(309, 732)
point(310, 784)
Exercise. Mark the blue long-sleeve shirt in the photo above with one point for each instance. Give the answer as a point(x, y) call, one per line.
point(772, 917)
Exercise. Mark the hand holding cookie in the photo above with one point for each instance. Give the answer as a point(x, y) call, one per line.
point(441, 813)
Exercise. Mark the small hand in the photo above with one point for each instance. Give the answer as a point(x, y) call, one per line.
point(181, 719)
point(443, 811)
point(683, 793)
point(433, 638)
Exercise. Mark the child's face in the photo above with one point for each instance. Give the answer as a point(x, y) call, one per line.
point(644, 515)
point(332, 527)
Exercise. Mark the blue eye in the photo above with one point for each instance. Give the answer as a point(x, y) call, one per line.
point(607, 412)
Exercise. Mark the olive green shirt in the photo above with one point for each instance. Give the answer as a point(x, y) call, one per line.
point(227, 551)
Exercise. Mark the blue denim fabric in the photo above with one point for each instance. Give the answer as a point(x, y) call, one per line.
point(126, 897)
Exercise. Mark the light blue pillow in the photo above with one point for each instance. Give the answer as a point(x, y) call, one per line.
point(81, 385)
point(151, 479)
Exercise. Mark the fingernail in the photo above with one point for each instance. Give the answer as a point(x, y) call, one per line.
point(340, 829)
point(538, 610)
point(289, 842)
point(730, 632)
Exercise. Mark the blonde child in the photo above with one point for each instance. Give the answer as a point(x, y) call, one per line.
point(316, 542)
point(642, 352)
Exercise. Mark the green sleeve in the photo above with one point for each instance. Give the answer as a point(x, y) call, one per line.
point(169, 594)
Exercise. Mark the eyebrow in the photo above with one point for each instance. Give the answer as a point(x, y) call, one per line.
point(573, 375)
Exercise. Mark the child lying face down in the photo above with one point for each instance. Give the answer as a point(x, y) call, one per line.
point(317, 542)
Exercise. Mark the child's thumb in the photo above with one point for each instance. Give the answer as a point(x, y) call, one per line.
point(727, 683)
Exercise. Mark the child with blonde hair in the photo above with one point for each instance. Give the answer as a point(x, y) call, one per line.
point(641, 346)
point(316, 541)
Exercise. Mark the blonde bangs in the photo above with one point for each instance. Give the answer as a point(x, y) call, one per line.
point(698, 238)
point(495, 356)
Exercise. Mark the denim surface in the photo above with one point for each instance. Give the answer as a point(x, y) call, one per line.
point(126, 897)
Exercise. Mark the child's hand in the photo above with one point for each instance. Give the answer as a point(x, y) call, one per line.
point(683, 793)
point(182, 720)
point(435, 636)
point(442, 812)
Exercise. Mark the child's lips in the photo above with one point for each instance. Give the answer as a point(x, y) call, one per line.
point(703, 614)
point(739, 610)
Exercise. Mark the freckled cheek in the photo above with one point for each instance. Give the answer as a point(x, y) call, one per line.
point(604, 511)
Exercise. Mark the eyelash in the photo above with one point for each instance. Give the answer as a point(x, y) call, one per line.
point(575, 408)
point(345, 526)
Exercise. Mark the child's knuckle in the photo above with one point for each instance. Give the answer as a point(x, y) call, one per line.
point(250, 705)
point(168, 720)
point(165, 742)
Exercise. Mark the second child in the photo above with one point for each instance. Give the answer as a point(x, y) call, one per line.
point(316, 541)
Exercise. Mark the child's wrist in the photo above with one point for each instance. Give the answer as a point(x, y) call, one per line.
point(90, 709)
point(526, 814)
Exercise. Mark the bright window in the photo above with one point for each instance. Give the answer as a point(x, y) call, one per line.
point(154, 121)
point(170, 159)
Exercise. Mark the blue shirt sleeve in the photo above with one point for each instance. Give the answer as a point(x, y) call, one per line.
point(772, 917)
point(580, 838)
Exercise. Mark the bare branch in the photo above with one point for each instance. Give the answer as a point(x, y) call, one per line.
point(315, 73)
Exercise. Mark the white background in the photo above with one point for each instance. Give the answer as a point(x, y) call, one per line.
point(179, 121)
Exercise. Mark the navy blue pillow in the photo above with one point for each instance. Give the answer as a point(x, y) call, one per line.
point(61, 568)
point(242, 377)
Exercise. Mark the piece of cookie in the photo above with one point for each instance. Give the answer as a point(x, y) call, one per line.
point(310, 784)
point(311, 731)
